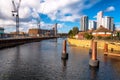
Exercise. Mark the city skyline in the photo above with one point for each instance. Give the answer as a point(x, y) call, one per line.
point(67, 14)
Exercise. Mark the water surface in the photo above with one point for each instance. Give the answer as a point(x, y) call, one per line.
point(42, 61)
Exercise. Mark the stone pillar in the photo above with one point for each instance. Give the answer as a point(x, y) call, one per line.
point(93, 61)
point(64, 51)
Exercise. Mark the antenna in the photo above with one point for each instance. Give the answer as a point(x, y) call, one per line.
point(15, 13)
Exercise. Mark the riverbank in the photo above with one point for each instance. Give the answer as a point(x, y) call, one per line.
point(5, 43)
point(86, 43)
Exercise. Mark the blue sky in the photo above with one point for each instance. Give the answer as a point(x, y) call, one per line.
point(66, 13)
point(91, 12)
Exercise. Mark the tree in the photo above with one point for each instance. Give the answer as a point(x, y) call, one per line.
point(88, 36)
point(70, 33)
point(118, 35)
point(75, 30)
point(99, 37)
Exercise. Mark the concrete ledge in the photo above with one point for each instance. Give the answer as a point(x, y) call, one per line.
point(5, 43)
point(112, 54)
point(86, 43)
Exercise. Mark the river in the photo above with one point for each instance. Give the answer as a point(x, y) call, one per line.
point(42, 61)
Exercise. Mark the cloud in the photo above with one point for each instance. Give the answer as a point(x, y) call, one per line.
point(110, 8)
point(31, 9)
point(26, 13)
point(56, 9)
point(95, 16)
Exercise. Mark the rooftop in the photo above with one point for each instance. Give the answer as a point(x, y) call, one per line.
point(102, 29)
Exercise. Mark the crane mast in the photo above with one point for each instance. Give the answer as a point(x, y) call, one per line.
point(38, 22)
point(15, 13)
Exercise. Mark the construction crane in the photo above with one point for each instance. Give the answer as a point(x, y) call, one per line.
point(38, 23)
point(15, 13)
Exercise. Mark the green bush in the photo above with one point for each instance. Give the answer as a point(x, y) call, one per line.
point(99, 37)
point(88, 36)
point(73, 32)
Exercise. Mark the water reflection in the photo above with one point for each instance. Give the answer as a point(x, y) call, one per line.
point(64, 64)
point(42, 61)
point(93, 73)
point(105, 58)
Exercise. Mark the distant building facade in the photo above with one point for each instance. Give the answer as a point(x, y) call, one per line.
point(84, 23)
point(36, 32)
point(99, 18)
point(45, 32)
point(108, 23)
point(80, 35)
point(41, 32)
point(101, 31)
point(92, 25)
point(1, 32)
point(55, 29)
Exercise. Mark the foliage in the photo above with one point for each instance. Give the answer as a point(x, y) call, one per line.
point(118, 35)
point(73, 32)
point(99, 37)
point(88, 36)
point(70, 33)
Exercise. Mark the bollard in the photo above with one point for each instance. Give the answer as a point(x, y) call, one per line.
point(93, 61)
point(105, 47)
point(64, 52)
point(90, 50)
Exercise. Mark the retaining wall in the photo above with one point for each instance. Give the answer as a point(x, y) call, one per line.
point(4, 43)
point(100, 44)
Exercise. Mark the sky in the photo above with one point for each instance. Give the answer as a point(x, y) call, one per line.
point(66, 13)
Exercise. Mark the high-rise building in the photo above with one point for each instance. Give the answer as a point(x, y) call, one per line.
point(84, 23)
point(113, 28)
point(92, 25)
point(108, 23)
point(99, 18)
point(112, 25)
